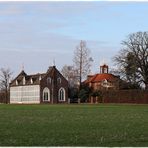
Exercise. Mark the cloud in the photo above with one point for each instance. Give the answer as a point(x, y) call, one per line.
point(37, 32)
point(36, 42)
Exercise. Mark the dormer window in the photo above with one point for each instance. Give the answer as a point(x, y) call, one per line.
point(31, 81)
point(40, 77)
point(24, 81)
point(16, 82)
point(59, 80)
point(104, 82)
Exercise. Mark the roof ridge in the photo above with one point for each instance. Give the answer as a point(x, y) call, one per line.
point(36, 74)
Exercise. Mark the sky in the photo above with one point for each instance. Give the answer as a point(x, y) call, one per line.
point(34, 34)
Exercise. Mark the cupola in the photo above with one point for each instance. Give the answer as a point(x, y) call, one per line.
point(104, 69)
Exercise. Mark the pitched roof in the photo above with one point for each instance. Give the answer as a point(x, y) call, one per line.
point(89, 79)
point(101, 77)
point(34, 77)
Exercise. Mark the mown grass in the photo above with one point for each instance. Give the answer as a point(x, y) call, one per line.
point(74, 125)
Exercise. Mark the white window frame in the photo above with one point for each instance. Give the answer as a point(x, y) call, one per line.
point(46, 90)
point(40, 78)
point(16, 82)
point(59, 94)
point(24, 80)
point(31, 81)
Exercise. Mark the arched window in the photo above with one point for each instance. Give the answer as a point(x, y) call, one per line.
point(61, 94)
point(59, 80)
point(46, 94)
point(48, 80)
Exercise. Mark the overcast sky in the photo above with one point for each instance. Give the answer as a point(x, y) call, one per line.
point(35, 33)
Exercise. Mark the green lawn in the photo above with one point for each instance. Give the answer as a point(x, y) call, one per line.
point(74, 125)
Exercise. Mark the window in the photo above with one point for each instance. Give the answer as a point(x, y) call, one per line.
point(105, 83)
point(31, 81)
point(61, 94)
point(24, 81)
point(46, 94)
point(59, 80)
point(105, 70)
point(16, 82)
point(40, 78)
point(48, 80)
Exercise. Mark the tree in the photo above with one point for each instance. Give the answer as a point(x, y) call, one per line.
point(82, 61)
point(84, 92)
point(131, 68)
point(5, 75)
point(67, 71)
point(98, 95)
point(133, 58)
point(83, 95)
point(70, 73)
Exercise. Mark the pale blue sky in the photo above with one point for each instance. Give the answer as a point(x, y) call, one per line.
point(34, 33)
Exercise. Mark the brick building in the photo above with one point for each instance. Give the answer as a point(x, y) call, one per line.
point(103, 80)
point(50, 87)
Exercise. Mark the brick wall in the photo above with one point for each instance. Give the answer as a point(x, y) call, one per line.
point(125, 96)
point(54, 87)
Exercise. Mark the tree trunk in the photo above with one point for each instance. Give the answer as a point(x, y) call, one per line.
point(6, 96)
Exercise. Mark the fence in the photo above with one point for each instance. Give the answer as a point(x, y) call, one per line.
point(3, 97)
point(124, 96)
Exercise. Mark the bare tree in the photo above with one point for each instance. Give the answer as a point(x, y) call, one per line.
point(5, 75)
point(82, 60)
point(70, 73)
point(67, 71)
point(133, 58)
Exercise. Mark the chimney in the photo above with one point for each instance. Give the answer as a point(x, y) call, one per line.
point(89, 76)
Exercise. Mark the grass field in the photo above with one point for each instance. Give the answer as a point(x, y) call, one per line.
point(74, 125)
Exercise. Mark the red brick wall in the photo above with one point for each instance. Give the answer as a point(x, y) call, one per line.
point(125, 96)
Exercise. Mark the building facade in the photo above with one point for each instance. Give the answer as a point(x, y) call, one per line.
point(103, 80)
point(50, 87)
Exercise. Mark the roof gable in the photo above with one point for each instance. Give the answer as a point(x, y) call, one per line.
point(54, 73)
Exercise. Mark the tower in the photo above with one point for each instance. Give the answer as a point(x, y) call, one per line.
point(104, 69)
